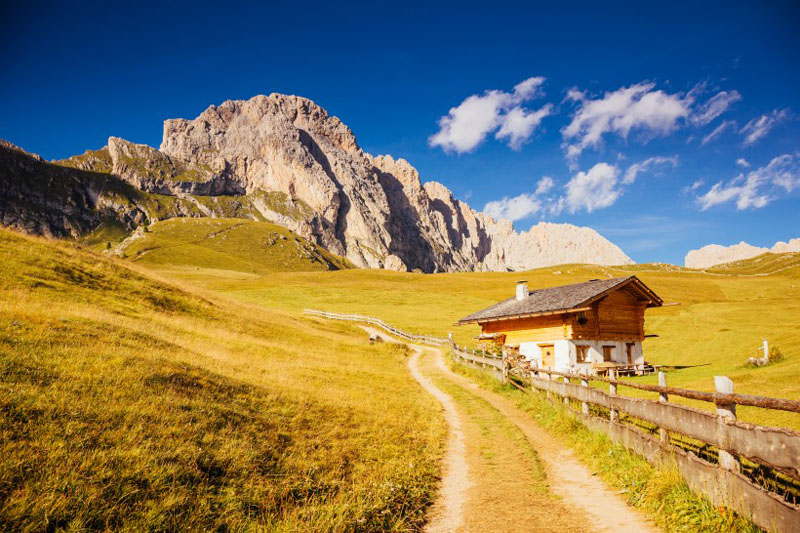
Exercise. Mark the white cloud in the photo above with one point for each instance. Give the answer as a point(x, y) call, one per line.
point(758, 187)
point(719, 130)
point(544, 185)
point(518, 125)
point(524, 205)
point(742, 162)
point(638, 107)
point(714, 107)
point(515, 208)
point(595, 189)
point(530, 88)
point(649, 164)
point(761, 126)
point(693, 187)
point(468, 124)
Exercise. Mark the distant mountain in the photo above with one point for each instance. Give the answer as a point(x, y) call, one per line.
point(282, 159)
point(714, 254)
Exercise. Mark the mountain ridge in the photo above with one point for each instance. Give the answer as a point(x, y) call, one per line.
point(715, 254)
point(285, 159)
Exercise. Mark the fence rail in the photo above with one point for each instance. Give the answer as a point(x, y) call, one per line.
point(767, 493)
point(427, 339)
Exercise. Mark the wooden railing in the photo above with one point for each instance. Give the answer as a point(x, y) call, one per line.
point(752, 469)
point(427, 339)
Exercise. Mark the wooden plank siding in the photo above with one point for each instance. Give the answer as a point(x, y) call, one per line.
point(617, 316)
point(532, 329)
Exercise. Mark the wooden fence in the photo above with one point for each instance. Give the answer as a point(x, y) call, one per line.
point(427, 339)
point(752, 469)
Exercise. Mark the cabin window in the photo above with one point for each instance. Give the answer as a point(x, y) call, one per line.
point(582, 320)
point(582, 353)
point(608, 353)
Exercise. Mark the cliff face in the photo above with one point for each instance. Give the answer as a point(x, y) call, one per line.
point(714, 254)
point(283, 158)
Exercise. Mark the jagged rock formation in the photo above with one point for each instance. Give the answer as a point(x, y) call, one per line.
point(45, 199)
point(714, 254)
point(283, 158)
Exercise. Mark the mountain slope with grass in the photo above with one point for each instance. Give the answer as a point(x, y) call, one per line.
point(236, 245)
point(129, 403)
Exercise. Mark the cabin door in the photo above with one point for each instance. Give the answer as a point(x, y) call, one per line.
point(629, 347)
point(548, 355)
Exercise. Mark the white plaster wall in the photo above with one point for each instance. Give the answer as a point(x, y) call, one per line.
point(531, 352)
point(566, 355)
point(562, 355)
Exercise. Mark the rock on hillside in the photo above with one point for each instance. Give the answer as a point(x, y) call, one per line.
point(714, 254)
point(284, 159)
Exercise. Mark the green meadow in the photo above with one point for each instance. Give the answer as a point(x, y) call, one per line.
point(722, 317)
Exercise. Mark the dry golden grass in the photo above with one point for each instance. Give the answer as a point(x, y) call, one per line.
point(129, 403)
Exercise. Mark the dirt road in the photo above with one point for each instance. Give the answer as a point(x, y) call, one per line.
point(502, 472)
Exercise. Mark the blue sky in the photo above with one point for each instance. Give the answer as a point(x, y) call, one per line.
point(581, 94)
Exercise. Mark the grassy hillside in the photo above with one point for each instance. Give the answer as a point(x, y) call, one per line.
point(227, 245)
point(720, 322)
point(763, 264)
point(128, 403)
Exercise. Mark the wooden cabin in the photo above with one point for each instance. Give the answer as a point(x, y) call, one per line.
point(586, 326)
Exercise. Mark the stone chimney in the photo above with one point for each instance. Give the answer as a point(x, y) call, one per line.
point(522, 290)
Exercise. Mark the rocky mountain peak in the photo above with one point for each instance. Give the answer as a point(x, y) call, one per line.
point(284, 158)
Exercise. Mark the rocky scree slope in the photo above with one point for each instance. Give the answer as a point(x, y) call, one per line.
point(284, 159)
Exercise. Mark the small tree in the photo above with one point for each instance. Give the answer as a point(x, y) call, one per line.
point(108, 246)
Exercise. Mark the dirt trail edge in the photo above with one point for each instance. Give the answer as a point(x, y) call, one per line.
point(447, 512)
point(568, 477)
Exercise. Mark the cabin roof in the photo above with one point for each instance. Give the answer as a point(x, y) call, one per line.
point(566, 298)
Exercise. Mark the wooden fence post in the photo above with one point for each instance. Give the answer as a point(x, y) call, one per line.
point(726, 410)
point(663, 434)
point(505, 367)
point(612, 390)
point(584, 383)
point(566, 398)
point(548, 377)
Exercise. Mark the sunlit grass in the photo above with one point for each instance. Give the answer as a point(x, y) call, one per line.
point(720, 322)
point(128, 403)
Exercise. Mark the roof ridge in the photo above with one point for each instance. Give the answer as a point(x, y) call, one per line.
point(549, 300)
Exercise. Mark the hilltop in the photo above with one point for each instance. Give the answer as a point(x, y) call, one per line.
point(281, 159)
